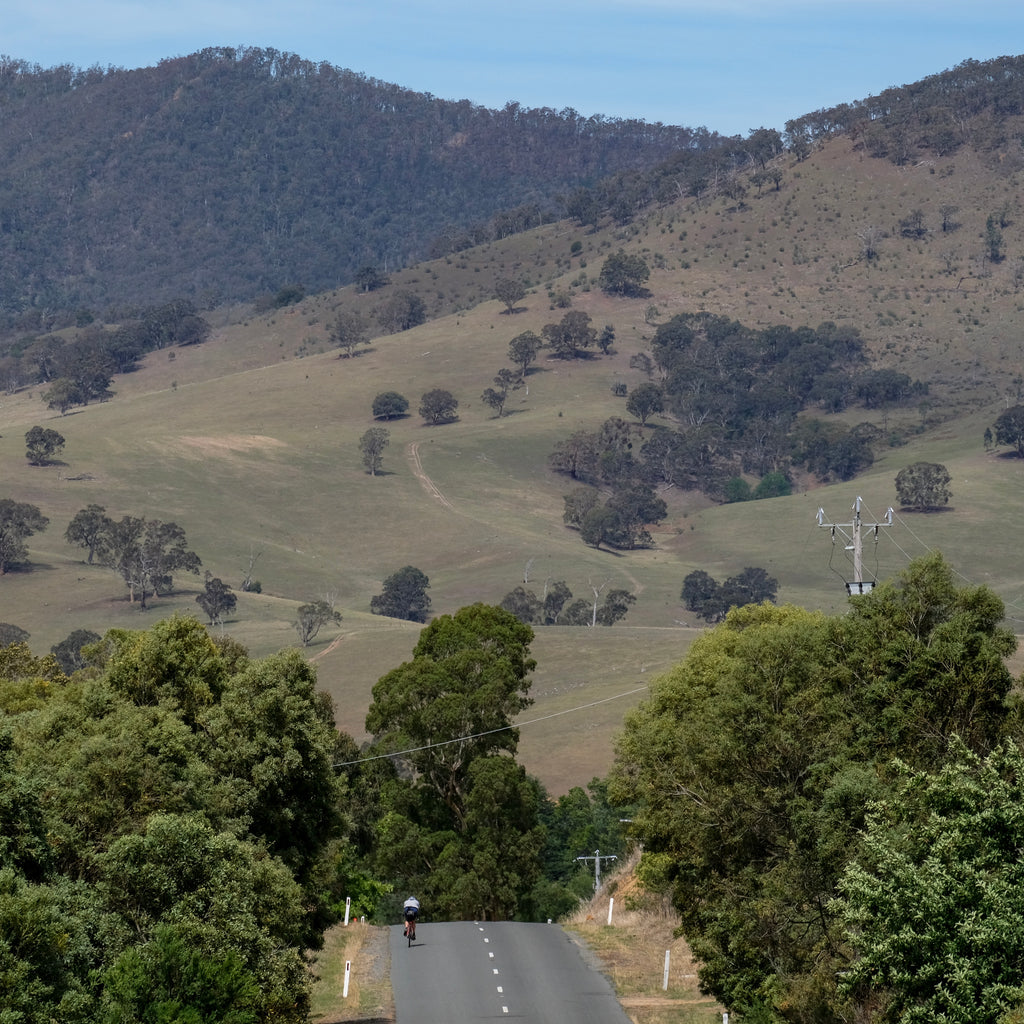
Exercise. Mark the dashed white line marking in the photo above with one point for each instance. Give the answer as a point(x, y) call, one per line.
point(500, 990)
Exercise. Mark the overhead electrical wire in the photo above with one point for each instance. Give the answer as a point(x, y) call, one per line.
point(488, 732)
point(583, 707)
point(929, 549)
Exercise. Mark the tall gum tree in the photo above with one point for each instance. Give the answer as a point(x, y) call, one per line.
point(447, 718)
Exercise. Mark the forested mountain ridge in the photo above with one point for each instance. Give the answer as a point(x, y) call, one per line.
point(230, 172)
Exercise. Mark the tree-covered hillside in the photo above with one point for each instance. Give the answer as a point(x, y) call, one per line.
point(229, 172)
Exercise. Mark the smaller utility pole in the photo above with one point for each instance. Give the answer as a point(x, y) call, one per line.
point(858, 585)
point(597, 858)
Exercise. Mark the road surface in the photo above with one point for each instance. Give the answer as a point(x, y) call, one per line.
point(464, 972)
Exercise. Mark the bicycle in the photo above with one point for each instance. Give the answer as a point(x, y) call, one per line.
point(410, 928)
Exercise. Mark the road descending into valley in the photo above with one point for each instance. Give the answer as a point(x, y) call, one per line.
point(464, 972)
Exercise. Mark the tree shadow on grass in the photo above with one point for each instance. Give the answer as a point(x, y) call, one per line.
point(28, 568)
point(354, 354)
point(615, 552)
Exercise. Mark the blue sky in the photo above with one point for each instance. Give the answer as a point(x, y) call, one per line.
point(731, 65)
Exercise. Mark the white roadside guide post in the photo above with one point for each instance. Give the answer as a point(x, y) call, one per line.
point(611, 905)
point(664, 980)
point(348, 907)
point(348, 974)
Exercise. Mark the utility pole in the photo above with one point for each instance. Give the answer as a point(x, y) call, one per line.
point(597, 858)
point(858, 585)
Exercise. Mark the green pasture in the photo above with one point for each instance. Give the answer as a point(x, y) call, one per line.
point(250, 443)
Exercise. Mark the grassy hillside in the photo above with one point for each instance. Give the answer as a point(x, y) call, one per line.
point(250, 441)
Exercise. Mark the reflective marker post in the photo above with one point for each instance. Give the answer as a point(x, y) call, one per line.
point(348, 974)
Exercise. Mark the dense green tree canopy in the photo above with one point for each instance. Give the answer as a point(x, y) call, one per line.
point(401, 311)
point(19, 520)
point(624, 273)
point(42, 445)
point(509, 291)
point(87, 528)
point(934, 904)
point(216, 600)
point(734, 395)
point(523, 349)
point(923, 485)
point(306, 182)
point(165, 820)
point(571, 336)
point(464, 828)
point(404, 595)
point(1010, 428)
point(755, 761)
point(710, 599)
point(69, 651)
point(439, 406)
point(389, 405)
point(644, 401)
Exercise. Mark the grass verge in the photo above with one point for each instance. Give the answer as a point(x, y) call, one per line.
point(631, 953)
point(369, 996)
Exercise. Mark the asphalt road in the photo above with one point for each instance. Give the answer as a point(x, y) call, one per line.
point(465, 972)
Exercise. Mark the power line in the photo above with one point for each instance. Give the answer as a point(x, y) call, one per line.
point(489, 732)
point(904, 524)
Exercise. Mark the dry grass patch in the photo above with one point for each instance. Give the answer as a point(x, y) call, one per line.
point(369, 992)
point(223, 445)
point(631, 951)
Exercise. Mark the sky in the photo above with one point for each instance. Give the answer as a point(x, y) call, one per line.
point(729, 65)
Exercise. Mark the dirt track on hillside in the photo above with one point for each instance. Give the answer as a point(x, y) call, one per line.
point(412, 453)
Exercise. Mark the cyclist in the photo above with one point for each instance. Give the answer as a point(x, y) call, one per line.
point(411, 909)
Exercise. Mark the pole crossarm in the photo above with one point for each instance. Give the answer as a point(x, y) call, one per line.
point(852, 533)
point(597, 857)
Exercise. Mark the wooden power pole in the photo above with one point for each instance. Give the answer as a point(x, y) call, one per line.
point(852, 534)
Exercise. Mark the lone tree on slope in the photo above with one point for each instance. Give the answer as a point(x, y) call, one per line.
point(404, 596)
point(372, 445)
point(923, 486)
